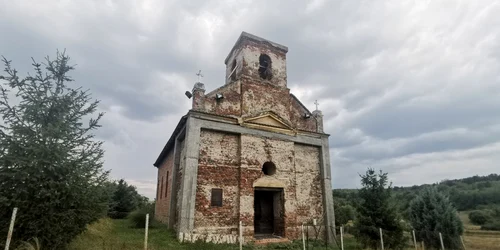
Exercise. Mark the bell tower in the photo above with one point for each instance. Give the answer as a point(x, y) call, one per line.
point(257, 60)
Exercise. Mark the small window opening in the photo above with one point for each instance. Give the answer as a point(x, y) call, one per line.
point(166, 186)
point(216, 200)
point(161, 190)
point(265, 67)
point(233, 71)
point(269, 168)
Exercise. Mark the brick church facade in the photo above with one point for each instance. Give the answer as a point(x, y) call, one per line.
point(248, 151)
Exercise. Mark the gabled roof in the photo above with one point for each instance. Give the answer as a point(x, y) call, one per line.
point(171, 142)
point(298, 101)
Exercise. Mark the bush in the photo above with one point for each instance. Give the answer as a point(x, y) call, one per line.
point(495, 226)
point(479, 217)
point(138, 217)
point(124, 200)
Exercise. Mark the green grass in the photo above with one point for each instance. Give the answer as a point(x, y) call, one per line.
point(108, 234)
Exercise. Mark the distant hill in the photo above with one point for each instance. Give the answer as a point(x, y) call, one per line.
point(476, 192)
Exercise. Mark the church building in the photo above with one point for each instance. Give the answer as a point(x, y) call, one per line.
point(248, 151)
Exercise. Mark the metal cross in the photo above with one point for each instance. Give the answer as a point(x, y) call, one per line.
point(316, 102)
point(199, 75)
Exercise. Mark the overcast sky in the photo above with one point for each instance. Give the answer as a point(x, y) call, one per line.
point(409, 87)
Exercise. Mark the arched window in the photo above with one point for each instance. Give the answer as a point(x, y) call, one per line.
point(265, 67)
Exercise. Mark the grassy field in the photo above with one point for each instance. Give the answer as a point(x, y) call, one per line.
point(109, 234)
point(476, 239)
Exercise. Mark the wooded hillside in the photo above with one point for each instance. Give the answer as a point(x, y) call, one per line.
point(470, 193)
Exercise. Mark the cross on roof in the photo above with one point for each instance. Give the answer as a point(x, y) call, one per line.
point(199, 75)
point(316, 103)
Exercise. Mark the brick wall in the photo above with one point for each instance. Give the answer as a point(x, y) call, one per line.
point(218, 168)
point(164, 185)
point(234, 163)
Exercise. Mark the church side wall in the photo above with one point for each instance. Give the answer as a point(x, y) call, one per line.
point(164, 188)
point(178, 181)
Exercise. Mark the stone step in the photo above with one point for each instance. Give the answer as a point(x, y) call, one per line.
point(271, 240)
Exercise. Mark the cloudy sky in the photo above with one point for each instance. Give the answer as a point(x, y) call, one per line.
point(409, 87)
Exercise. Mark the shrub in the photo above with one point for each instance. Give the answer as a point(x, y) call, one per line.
point(495, 226)
point(138, 217)
point(479, 217)
point(124, 200)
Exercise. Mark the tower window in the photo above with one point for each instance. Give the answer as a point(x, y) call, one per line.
point(265, 67)
point(269, 168)
point(216, 200)
point(232, 75)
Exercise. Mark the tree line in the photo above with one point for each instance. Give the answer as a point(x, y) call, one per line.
point(373, 207)
point(51, 163)
point(426, 209)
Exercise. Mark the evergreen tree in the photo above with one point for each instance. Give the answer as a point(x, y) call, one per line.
point(50, 163)
point(125, 199)
point(375, 210)
point(343, 213)
point(431, 213)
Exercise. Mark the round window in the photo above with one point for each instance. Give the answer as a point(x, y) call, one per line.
point(269, 168)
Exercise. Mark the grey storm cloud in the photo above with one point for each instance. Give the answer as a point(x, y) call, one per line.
point(410, 87)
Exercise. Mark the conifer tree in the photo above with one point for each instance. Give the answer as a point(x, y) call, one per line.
point(125, 199)
point(50, 162)
point(431, 213)
point(375, 210)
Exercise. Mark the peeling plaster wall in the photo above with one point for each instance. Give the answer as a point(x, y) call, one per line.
point(309, 194)
point(229, 106)
point(162, 205)
point(234, 163)
point(259, 97)
point(218, 167)
point(297, 117)
point(251, 53)
point(255, 151)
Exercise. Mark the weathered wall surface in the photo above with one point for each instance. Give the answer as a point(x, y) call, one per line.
point(297, 117)
point(309, 194)
point(234, 163)
point(251, 53)
point(229, 106)
point(258, 97)
point(164, 190)
point(218, 167)
point(179, 174)
point(255, 151)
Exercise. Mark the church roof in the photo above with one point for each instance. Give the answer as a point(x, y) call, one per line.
point(171, 141)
